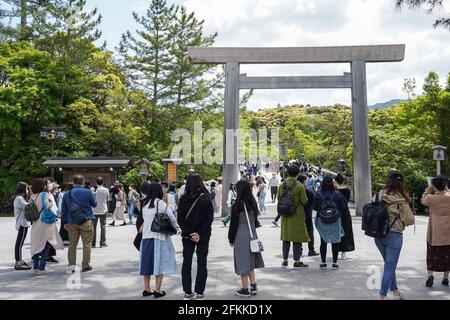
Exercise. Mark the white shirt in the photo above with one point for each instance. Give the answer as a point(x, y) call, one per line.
point(231, 196)
point(148, 214)
point(101, 195)
point(273, 182)
point(181, 191)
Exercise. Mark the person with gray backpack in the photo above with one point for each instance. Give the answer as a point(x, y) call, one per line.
point(329, 205)
point(291, 200)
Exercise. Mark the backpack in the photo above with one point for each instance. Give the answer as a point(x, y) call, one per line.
point(286, 203)
point(375, 219)
point(77, 214)
point(328, 212)
point(47, 215)
point(32, 213)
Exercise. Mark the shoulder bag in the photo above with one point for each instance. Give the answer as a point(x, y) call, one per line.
point(256, 245)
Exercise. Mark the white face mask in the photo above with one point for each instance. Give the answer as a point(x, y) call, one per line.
point(50, 186)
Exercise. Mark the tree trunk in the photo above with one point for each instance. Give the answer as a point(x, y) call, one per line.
point(23, 19)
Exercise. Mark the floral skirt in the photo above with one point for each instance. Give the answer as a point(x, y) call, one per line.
point(438, 258)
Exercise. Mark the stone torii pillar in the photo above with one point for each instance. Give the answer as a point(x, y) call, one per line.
point(357, 56)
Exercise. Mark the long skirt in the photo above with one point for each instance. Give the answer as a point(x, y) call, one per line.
point(438, 258)
point(157, 257)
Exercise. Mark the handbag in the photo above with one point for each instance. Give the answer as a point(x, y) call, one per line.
point(137, 241)
point(47, 215)
point(256, 245)
point(162, 223)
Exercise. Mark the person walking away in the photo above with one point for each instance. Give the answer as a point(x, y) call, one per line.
point(133, 197)
point(119, 212)
point(308, 216)
point(171, 195)
point(262, 190)
point(212, 194)
point(101, 195)
point(43, 235)
point(242, 231)
point(437, 198)
point(21, 196)
point(273, 185)
point(157, 253)
point(230, 201)
point(400, 216)
point(347, 243)
point(327, 198)
point(85, 201)
point(195, 217)
point(293, 228)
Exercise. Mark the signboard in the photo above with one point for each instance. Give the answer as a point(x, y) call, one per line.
point(171, 171)
point(438, 155)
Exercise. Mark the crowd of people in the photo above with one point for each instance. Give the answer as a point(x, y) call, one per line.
point(190, 211)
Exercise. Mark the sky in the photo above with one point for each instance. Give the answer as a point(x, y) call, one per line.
point(297, 23)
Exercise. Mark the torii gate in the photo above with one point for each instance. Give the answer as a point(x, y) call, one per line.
point(357, 56)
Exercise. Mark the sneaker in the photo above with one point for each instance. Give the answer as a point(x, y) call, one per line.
point(275, 223)
point(284, 264)
point(253, 289)
point(66, 243)
point(24, 263)
point(189, 296)
point(70, 269)
point(343, 256)
point(200, 296)
point(398, 295)
point(42, 272)
point(300, 265)
point(21, 266)
point(429, 282)
point(123, 224)
point(445, 282)
point(112, 224)
point(312, 254)
point(159, 294)
point(335, 266)
point(103, 245)
point(243, 293)
point(52, 260)
point(323, 266)
point(86, 269)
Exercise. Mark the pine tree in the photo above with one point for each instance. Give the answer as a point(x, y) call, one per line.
point(433, 5)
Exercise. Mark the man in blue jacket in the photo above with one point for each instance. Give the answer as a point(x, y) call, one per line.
point(85, 200)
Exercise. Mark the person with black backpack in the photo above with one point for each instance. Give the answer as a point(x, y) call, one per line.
point(329, 205)
point(291, 200)
point(399, 215)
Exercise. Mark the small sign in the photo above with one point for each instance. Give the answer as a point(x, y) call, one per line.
point(171, 171)
point(283, 150)
point(438, 155)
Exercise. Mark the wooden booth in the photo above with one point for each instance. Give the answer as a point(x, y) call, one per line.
point(107, 167)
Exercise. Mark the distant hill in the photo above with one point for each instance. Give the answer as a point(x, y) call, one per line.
point(387, 104)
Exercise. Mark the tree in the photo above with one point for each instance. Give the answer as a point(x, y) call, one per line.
point(409, 87)
point(433, 5)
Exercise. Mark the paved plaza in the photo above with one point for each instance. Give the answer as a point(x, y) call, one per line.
point(115, 274)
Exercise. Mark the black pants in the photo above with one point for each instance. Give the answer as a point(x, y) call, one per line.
point(310, 228)
point(63, 233)
point(297, 248)
point(21, 236)
point(323, 251)
point(202, 271)
point(278, 217)
point(274, 191)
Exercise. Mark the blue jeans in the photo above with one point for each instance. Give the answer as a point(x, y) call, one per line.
point(131, 207)
point(40, 259)
point(389, 247)
point(261, 199)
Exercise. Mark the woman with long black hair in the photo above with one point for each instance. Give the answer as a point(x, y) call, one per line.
point(195, 217)
point(21, 197)
point(157, 253)
point(244, 219)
